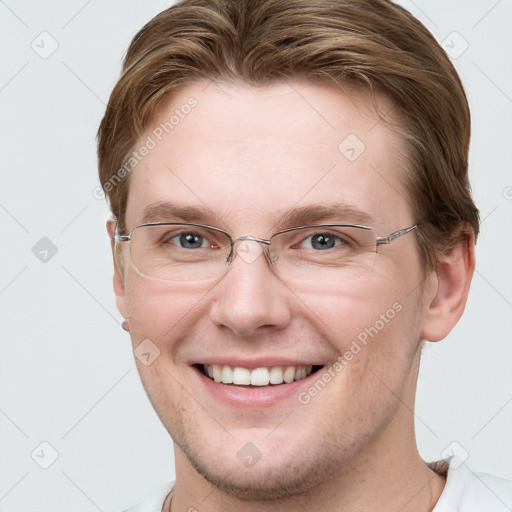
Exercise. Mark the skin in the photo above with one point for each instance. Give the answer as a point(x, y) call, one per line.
point(249, 155)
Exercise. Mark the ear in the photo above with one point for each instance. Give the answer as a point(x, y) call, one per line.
point(447, 289)
point(118, 271)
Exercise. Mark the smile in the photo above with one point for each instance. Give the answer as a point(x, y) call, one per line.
point(263, 376)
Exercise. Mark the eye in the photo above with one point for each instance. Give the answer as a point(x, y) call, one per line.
point(189, 241)
point(321, 241)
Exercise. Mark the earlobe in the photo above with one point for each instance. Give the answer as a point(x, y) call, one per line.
point(447, 291)
point(118, 279)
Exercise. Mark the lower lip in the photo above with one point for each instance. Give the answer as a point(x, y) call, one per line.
point(251, 397)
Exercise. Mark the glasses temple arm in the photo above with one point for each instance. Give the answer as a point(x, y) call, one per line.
point(119, 237)
point(388, 239)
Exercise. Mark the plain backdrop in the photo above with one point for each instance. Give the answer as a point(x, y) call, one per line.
point(67, 376)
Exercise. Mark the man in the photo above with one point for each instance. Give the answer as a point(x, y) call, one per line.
point(292, 219)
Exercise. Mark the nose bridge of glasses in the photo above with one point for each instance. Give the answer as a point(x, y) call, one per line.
point(249, 248)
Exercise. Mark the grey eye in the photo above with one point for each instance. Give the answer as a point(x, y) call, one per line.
point(321, 241)
point(189, 241)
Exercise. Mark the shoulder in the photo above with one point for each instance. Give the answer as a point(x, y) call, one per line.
point(470, 491)
point(155, 501)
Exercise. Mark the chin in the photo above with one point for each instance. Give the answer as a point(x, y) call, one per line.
point(281, 478)
point(270, 483)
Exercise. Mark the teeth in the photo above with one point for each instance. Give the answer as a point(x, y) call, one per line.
point(302, 372)
point(227, 375)
point(217, 372)
point(289, 374)
point(241, 376)
point(260, 377)
point(257, 377)
point(276, 375)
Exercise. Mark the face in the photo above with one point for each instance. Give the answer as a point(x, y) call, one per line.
point(253, 161)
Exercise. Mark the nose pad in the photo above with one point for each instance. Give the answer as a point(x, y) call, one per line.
point(249, 250)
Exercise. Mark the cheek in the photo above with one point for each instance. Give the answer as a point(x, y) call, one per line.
point(377, 340)
point(159, 312)
point(161, 318)
point(355, 310)
point(375, 329)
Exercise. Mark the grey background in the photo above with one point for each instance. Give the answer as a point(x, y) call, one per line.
point(67, 375)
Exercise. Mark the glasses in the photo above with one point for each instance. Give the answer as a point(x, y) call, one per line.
point(325, 253)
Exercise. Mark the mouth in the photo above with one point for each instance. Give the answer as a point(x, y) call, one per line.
point(256, 377)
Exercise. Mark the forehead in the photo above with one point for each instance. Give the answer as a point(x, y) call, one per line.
point(243, 153)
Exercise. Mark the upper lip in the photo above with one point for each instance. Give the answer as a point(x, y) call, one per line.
point(257, 362)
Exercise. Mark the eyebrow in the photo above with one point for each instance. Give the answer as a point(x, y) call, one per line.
point(338, 213)
point(167, 211)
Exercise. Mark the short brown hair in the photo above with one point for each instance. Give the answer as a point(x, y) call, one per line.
point(373, 44)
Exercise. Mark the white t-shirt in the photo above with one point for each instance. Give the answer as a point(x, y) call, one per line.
point(465, 491)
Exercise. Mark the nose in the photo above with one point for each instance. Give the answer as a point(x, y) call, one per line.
point(250, 296)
